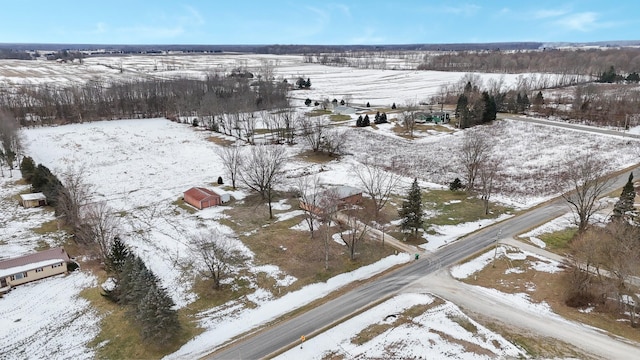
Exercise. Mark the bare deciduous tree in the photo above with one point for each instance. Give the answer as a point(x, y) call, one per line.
point(487, 174)
point(102, 224)
point(585, 178)
point(334, 141)
point(262, 169)
point(231, 158)
point(217, 254)
point(312, 131)
point(377, 183)
point(71, 200)
point(476, 150)
point(10, 144)
point(353, 230)
point(328, 205)
point(409, 118)
point(310, 196)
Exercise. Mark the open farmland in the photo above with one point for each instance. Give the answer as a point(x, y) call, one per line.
point(141, 167)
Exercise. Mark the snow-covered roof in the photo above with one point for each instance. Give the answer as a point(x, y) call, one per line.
point(33, 196)
point(32, 261)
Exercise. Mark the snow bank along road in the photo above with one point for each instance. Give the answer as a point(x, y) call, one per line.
point(286, 334)
point(589, 340)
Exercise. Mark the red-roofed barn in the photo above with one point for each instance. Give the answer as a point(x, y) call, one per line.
point(203, 198)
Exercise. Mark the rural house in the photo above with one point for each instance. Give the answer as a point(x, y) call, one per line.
point(435, 117)
point(203, 198)
point(27, 268)
point(333, 199)
point(33, 200)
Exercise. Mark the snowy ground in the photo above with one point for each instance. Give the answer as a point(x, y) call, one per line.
point(47, 319)
point(436, 333)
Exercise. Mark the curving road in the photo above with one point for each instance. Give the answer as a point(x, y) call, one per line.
point(283, 335)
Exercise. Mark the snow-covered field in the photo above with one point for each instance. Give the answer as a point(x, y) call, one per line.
point(436, 333)
point(140, 167)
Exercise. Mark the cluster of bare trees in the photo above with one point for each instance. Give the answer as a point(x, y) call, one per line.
point(585, 62)
point(587, 183)
point(210, 97)
point(217, 253)
point(10, 143)
point(604, 269)
point(480, 162)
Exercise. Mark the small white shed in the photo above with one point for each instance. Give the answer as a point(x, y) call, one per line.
point(33, 200)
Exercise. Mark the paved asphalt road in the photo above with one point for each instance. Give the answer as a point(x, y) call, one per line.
point(287, 333)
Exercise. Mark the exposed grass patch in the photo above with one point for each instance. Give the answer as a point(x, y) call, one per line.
point(550, 288)
point(558, 240)
point(316, 157)
point(465, 323)
point(220, 140)
point(184, 206)
point(370, 332)
point(434, 127)
point(455, 207)
point(339, 117)
point(119, 337)
point(46, 228)
point(293, 251)
point(318, 112)
point(468, 346)
point(208, 297)
point(42, 245)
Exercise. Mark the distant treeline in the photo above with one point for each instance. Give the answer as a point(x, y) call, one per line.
point(271, 49)
point(13, 54)
point(584, 62)
point(214, 95)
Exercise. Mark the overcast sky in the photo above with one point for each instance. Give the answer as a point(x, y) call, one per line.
point(316, 22)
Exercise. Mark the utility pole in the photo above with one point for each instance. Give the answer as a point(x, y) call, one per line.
point(495, 253)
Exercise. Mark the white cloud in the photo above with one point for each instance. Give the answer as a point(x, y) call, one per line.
point(369, 37)
point(584, 22)
point(194, 17)
point(343, 8)
point(548, 13)
point(462, 9)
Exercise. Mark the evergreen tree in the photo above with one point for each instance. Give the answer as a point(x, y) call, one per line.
point(411, 211)
point(608, 76)
point(366, 121)
point(383, 118)
point(376, 119)
point(159, 321)
point(539, 99)
point(525, 101)
point(27, 168)
point(359, 121)
point(307, 84)
point(393, 106)
point(117, 257)
point(368, 104)
point(468, 88)
point(220, 182)
point(456, 185)
point(307, 102)
point(633, 77)
point(461, 105)
point(342, 102)
point(624, 207)
point(489, 110)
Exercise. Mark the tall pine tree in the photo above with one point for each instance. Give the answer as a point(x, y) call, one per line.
point(158, 320)
point(624, 207)
point(411, 211)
